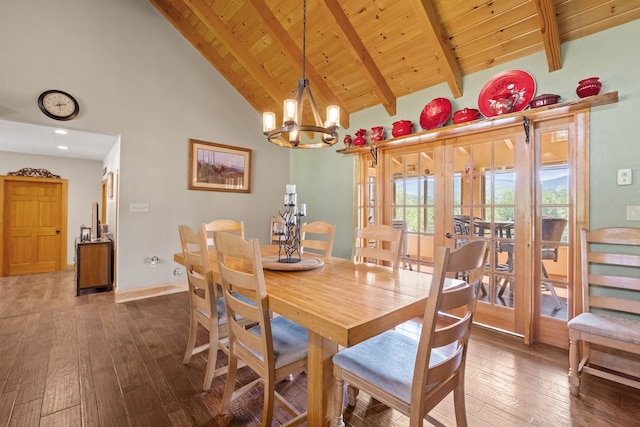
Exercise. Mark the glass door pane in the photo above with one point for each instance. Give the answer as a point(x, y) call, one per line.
point(554, 252)
point(412, 205)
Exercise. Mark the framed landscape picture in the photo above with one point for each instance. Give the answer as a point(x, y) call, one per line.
point(218, 167)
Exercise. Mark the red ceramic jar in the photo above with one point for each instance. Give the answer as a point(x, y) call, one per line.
point(402, 127)
point(589, 87)
point(465, 115)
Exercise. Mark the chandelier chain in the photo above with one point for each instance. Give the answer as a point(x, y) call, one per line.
point(304, 37)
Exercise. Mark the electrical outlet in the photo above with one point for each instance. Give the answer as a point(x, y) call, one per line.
point(138, 207)
point(633, 213)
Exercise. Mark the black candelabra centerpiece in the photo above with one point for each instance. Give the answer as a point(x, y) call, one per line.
point(288, 230)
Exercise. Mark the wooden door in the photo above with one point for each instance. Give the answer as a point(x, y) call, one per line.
point(34, 217)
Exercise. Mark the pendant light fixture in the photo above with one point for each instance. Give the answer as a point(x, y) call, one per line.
point(293, 133)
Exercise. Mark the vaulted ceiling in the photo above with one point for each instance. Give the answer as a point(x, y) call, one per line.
point(361, 53)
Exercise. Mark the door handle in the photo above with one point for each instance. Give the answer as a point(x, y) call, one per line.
point(57, 231)
point(449, 236)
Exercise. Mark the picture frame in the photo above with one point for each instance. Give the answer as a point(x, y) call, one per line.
point(85, 234)
point(110, 185)
point(219, 167)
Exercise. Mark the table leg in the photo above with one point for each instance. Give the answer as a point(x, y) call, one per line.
point(319, 380)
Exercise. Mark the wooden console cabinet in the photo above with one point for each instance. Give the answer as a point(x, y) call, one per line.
point(94, 265)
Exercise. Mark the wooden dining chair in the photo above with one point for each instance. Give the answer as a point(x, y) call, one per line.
point(228, 225)
point(380, 244)
point(274, 348)
point(317, 238)
point(413, 375)
point(206, 306)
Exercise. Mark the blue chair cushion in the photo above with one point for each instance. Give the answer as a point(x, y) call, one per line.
point(387, 361)
point(290, 340)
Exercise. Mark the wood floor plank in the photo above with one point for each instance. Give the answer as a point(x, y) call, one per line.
point(69, 417)
point(7, 401)
point(110, 402)
point(26, 414)
point(88, 404)
point(145, 408)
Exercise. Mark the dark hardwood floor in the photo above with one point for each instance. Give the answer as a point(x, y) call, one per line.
point(70, 361)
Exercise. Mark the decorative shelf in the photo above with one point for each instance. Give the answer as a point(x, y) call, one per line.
point(489, 123)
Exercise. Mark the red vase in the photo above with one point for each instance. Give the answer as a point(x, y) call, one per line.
point(377, 133)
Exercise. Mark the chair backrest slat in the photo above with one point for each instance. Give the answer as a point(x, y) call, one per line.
point(611, 264)
point(198, 268)
point(379, 242)
point(227, 225)
point(311, 234)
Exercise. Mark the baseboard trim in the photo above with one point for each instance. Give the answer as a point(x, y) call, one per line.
point(154, 291)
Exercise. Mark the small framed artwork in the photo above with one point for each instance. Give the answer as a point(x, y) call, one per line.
point(218, 167)
point(85, 234)
point(110, 185)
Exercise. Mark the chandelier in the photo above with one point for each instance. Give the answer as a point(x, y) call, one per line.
point(290, 135)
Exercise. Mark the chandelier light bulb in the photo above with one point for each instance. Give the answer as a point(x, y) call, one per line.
point(333, 116)
point(290, 112)
point(268, 121)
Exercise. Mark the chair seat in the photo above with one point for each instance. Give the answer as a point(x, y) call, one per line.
point(618, 328)
point(289, 341)
point(387, 361)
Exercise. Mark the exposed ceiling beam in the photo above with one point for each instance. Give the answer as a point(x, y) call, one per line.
point(218, 28)
point(372, 73)
point(426, 14)
point(282, 36)
point(550, 33)
point(188, 32)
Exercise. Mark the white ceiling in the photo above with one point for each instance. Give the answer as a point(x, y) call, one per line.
point(38, 139)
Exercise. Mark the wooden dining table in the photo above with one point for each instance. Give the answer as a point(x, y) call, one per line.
point(340, 303)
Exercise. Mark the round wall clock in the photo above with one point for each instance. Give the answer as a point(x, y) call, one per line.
point(58, 105)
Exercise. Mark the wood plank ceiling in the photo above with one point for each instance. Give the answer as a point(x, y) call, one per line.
point(362, 53)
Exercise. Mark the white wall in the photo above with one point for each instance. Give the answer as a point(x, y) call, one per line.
point(327, 186)
point(84, 178)
point(135, 76)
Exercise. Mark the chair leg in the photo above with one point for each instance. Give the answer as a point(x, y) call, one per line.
point(191, 342)
point(574, 361)
point(352, 394)
point(269, 397)
point(460, 406)
point(212, 358)
point(338, 402)
point(231, 382)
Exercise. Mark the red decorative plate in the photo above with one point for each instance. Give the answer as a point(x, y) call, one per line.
point(506, 92)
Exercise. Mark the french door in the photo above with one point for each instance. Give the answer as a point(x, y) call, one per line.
point(523, 189)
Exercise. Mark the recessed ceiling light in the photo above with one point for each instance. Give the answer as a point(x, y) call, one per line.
point(62, 147)
point(61, 131)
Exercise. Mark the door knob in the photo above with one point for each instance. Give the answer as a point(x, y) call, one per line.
point(449, 236)
point(57, 231)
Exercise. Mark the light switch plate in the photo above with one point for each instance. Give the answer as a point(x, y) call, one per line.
point(624, 177)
